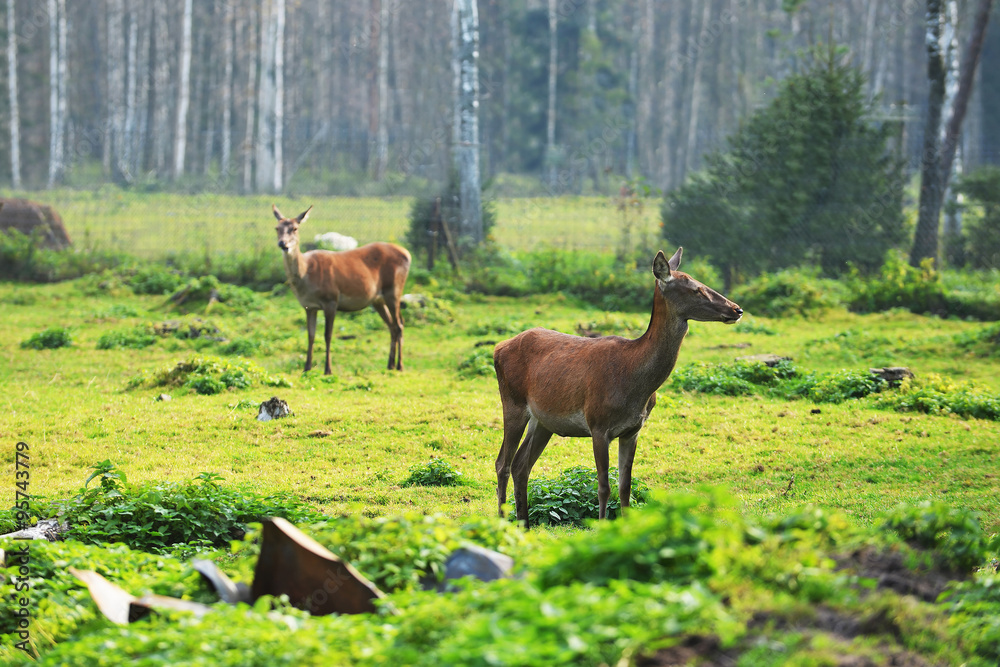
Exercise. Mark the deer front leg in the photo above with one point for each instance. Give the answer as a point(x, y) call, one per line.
point(514, 421)
point(329, 315)
point(626, 455)
point(601, 442)
point(524, 460)
point(311, 331)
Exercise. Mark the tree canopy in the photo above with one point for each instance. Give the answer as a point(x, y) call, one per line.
point(810, 178)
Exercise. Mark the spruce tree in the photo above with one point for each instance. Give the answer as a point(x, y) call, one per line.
point(810, 178)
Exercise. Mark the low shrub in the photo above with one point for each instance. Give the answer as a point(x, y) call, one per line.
point(570, 498)
point(955, 536)
point(478, 364)
point(154, 279)
point(49, 339)
point(436, 472)
point(242, 347)
point(899, 285)
point(841, 385)
point(157, 517)
point(788, 293)
point(208, 375)
point(934, 394)
point(207, 291)
point(134, 338)
point(23, 258)
point(738, 379)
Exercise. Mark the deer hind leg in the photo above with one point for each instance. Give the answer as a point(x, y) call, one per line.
point(514, 420)
point(395, 323)
point(311, 314)
point(330, 314)
point(524, 460)
point(626, 455)
point(601, 442)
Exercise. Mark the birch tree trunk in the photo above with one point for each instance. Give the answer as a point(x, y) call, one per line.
point(125, 164)
point(265, 99)
point(382, 133)
point(939, 155)
point(183, 92)
point(228, 36)
point(550, 123)
point(55, 135)
point(250, 39)
point(161, 84)
point(691, 143)
point(279, 92)
point(465, 64)
point(15, 119)
point(672, 80)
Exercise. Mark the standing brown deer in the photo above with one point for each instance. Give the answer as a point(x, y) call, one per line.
point(604, 388)
point(372, 275)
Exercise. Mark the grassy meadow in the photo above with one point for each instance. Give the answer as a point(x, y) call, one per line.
point(355, 435)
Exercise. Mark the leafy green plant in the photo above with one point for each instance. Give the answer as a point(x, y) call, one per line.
point(134, 338)
point(478, 364)
point(495, 327)
point(49, 339)
point(737, 379)
point(157, 516)
point(436, 472)
point(934, 394)
point(748, 325)
point(208, 375)
point(154, 279)
point(571, 497)
point(789, 293)
point(898, 285)
point(842, 385)
point(954, 536)
point(242, 347)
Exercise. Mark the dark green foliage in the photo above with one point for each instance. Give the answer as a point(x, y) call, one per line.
point(478, 364)
point(899, 285)
point(984, 342)
point(953, 535)
point(402, 552)
point(936, 395)
point(158, 516)
point(571, 497)
point(738, 379)
point(205, 292)
point(241, 347)
point(22, 258)
point(49, 339)
point(789, 293)
point(154, 279)
point(841, 385)
point(208, 375)
point(670, 540)
point(423, 220)
point(134, 338)
point(809, 178)
point(436, 472)
point(982, 234)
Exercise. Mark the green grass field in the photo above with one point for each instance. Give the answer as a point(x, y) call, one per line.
point(154, 225)
point(354, 436)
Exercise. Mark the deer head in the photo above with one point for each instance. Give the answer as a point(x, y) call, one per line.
point(689, 299)
point(288, 228)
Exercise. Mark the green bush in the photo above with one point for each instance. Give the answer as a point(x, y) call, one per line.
point(135, 338)
point(154, 279)
point(157, 517)
point(23, 258)
point(842, 385)
point(737, 379)
point(478, 364)
point(899, 285)
point(49, 339)
point(982, 233)
point(934, 394)
point(789, 293)
point(571, 497)
point(242, 347)
point(208, 375)
point(954, 536)
point(420, 235)
point(436, 472)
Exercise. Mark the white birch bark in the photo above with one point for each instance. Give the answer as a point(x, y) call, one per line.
point(229, 35)
point(550, 122)
point(382, 134)
point(15, 119)
point(115, 97)
point(183, 92)
point(126, 165)
point(161, 86)
point(265, 99)
point(250, 38)
point(691, 142)
point(279, 92)
point(55, 150)
point(465, 64)
point(673, 78)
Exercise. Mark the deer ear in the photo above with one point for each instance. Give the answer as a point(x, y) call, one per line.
point(675, 261)
point(661, 269)
point(303, 215)
point(277, 213)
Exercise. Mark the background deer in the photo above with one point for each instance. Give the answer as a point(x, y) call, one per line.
point(604, 388)
point(372, 275)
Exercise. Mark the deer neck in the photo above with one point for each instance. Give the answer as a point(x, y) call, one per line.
point(655, 352)
point(296, 265)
